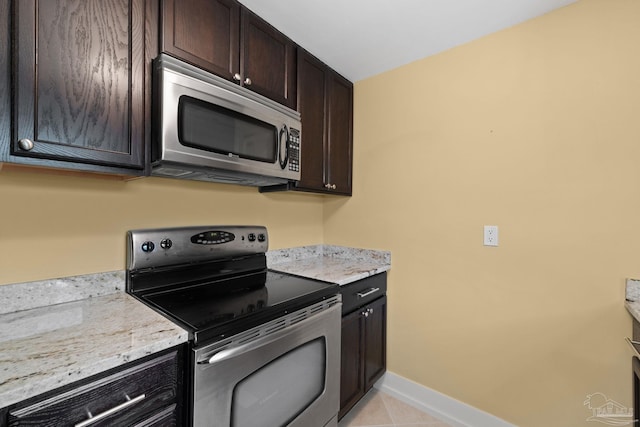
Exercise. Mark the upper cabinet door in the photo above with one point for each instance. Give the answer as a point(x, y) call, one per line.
point(339, 133)
point(312, 80)
point(205, 33)
point(325, 102)
point(224, 38)
point(79, 81)
point(268, 60)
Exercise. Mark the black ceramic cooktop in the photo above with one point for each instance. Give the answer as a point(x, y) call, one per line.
point(223, 308)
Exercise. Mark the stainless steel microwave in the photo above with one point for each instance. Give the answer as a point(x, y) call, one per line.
point(209, 129)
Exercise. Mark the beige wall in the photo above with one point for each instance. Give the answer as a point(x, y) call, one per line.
point(535, 129)
point(55, 226)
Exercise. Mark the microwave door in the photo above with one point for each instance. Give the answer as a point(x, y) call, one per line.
point(213, 128)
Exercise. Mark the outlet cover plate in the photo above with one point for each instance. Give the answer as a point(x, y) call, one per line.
point(491, 235)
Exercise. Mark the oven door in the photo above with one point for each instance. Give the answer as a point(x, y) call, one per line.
point(284, 373)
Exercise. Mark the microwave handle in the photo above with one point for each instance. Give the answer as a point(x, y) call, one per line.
point(284, 131)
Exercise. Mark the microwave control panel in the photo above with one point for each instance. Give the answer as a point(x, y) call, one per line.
point(294, 150)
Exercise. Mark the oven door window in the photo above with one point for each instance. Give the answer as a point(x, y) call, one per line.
point(217, 129)
point(274, 395)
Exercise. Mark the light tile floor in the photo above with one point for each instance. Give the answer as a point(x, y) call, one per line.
point(378, 409)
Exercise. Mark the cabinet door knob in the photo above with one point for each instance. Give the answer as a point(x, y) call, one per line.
point(330, 186)
point(333, 186)
point(247, 81)
point(237, 77)
point(25, 144)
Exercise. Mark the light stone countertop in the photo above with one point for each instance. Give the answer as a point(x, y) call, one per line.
point(329, 263)
point(55, 332)
point(42, 348)
point(632, 298)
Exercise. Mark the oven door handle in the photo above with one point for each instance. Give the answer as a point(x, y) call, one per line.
point(229, 353)
point(260, 342)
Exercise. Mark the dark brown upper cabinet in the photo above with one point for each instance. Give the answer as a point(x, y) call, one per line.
point(325, 102)
point(205, 33)
point(78, 83)
point(223, 37)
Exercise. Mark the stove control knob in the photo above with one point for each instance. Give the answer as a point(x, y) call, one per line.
point(148, 247)
point(261, 237)
point(166, 243)
point(252, 237)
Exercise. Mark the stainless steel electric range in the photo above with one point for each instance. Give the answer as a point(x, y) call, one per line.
point(264, 346)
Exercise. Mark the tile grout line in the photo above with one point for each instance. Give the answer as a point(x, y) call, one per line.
point(386, 408)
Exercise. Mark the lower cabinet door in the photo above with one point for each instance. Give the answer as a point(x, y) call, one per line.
point(375, 353)
point(352, 357)
point(364, 352)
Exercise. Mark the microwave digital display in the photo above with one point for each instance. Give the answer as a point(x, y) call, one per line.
point(220, 130)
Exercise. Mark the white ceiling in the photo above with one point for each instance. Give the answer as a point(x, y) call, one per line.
point(361, 38)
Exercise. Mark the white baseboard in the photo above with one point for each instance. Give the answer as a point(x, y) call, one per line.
point(441, 406)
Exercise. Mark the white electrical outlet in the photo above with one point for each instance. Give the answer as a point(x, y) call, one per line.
point(491, 235)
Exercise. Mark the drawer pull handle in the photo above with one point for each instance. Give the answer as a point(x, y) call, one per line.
point(369, 292)
point(105, 414)
point(633, 344)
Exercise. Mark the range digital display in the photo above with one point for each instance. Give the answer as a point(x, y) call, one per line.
point(213, 237)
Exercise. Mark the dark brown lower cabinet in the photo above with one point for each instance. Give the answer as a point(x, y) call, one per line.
point(364, 344)
point(142, 393)
point(375, 342)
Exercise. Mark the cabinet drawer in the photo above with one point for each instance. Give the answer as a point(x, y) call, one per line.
point(168, 417)
point(363, 291)
point(123, 398)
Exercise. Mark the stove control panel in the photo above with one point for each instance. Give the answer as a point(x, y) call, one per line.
point(160, 247)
